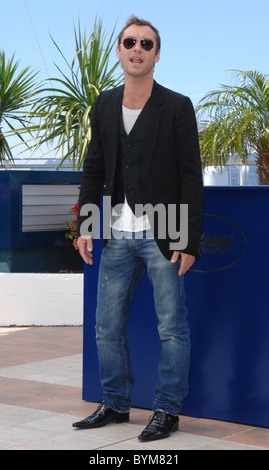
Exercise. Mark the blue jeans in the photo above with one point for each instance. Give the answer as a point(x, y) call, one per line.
point(122, 267)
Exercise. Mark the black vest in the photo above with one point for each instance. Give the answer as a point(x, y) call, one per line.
point(129, 163)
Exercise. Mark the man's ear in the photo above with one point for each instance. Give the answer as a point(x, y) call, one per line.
point(118, 51)
point(157, 56)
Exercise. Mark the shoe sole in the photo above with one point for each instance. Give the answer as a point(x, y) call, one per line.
point(155, 438)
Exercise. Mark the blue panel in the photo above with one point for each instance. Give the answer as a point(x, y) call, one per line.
point(227, 292)
point(11, 182)
point(32, 251)
point(5, 210)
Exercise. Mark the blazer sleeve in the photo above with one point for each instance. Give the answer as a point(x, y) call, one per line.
point(93, 176)
point(190, 173)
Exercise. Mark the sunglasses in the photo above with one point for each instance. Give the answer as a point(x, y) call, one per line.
point(146, 44)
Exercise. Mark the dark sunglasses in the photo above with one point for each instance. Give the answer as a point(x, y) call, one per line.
point(147, 44)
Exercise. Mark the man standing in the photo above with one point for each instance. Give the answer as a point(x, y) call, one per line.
point(144, 149)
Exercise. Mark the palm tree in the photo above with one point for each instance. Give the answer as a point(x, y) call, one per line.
point(237, 123)
point(66, 108)
point(16, 92)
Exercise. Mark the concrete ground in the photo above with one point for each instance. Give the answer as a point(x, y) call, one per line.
point(40, 398)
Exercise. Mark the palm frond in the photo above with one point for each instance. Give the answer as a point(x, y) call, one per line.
point(65, 110)
point(17, 92)
point(234, 120)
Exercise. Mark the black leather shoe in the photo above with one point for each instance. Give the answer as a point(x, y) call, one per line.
point(102, 416)
point(160, 426)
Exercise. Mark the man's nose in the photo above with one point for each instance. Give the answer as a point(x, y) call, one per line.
point(137, 46)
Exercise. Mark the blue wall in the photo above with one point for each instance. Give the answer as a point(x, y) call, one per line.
point(44, 251)
point(228, 304)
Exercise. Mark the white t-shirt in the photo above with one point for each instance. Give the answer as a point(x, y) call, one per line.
point(126, 220)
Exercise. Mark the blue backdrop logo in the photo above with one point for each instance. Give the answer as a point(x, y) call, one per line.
point(223, 244)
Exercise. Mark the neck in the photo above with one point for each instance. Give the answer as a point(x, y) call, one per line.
point(137, 91)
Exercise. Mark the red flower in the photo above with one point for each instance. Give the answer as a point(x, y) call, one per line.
point(75, 209)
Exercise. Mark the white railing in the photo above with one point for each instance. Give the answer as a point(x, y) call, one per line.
point(233, 174)
point(40, 163)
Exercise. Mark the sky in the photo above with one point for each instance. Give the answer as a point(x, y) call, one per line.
point(202, 40)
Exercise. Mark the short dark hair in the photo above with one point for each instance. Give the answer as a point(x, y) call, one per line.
point(140, 22)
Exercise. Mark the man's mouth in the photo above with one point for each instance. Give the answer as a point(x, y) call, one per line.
point(136, 60)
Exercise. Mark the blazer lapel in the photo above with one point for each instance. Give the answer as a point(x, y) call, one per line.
point(151, 131)
point(113, 128)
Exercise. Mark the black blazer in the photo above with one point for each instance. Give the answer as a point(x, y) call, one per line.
point(171, 171)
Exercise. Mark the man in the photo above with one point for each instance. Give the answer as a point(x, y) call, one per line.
point(144, 149)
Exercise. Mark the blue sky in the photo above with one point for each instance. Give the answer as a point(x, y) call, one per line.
point(201, 39)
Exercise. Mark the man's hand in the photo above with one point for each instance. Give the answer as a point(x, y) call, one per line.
point(85, 248)
point(186, 261)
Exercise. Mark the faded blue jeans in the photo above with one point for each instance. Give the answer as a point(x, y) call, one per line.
point(123, 264)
